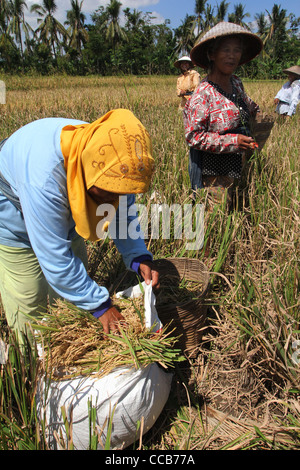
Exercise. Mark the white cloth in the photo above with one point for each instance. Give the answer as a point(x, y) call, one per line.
point(151, 316)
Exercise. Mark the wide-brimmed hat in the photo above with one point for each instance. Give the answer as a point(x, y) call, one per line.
point(184, 58)
point(252, 43)
point(294, 69)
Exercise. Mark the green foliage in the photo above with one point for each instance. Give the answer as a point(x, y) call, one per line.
point(139, 47)
point(18, 414)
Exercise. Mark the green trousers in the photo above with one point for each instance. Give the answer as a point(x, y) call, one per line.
point(23, 287)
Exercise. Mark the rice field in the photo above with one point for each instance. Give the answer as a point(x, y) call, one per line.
point(242, 391)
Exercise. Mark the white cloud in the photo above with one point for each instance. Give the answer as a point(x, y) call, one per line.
point(157, 18)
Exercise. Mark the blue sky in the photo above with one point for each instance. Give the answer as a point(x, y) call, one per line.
point(174, 10)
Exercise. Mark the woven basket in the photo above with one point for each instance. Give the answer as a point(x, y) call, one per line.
point(261, 128)
point(185, 319)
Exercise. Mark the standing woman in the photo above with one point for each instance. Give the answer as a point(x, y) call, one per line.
point(288, 97)
point(187, 81)
point(216, 118)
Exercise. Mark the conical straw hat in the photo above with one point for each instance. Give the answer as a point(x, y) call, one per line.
point(252, 43)
point(295, 69)
point(184, 58)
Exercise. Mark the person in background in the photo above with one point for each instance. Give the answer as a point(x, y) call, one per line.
point(288, 97)
point(216, 118)
point(55, 173)
point(187, 81)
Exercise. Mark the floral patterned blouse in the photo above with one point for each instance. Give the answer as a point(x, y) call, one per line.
point(213, 119)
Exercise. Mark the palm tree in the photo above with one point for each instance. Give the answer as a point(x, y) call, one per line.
point(4, 15)
point(7, 45)
point(262, 24)
point(15, 8)
point(184, 35)
point(277, 32)
point(50, 28)
point(199, 10)
point(238, 15)
point(75, 19)
point(221, 11)
point(262, 30)
point(134, 19)
point(278, 20)
point(294, 24)
point(209, 19)
point(114, 31)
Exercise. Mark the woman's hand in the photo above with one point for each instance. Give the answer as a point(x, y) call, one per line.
point(149, 273)
point(246, 143)
point(111, 319)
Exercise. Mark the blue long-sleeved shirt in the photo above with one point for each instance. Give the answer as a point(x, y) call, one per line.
point(32, 162)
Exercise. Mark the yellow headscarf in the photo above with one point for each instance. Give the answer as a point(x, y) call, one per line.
point(113, 153)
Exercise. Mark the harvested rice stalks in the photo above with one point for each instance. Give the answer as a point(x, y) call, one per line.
point(173, 291)
point(74, 343)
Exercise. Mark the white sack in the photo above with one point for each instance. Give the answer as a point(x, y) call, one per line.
point(137, 394)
